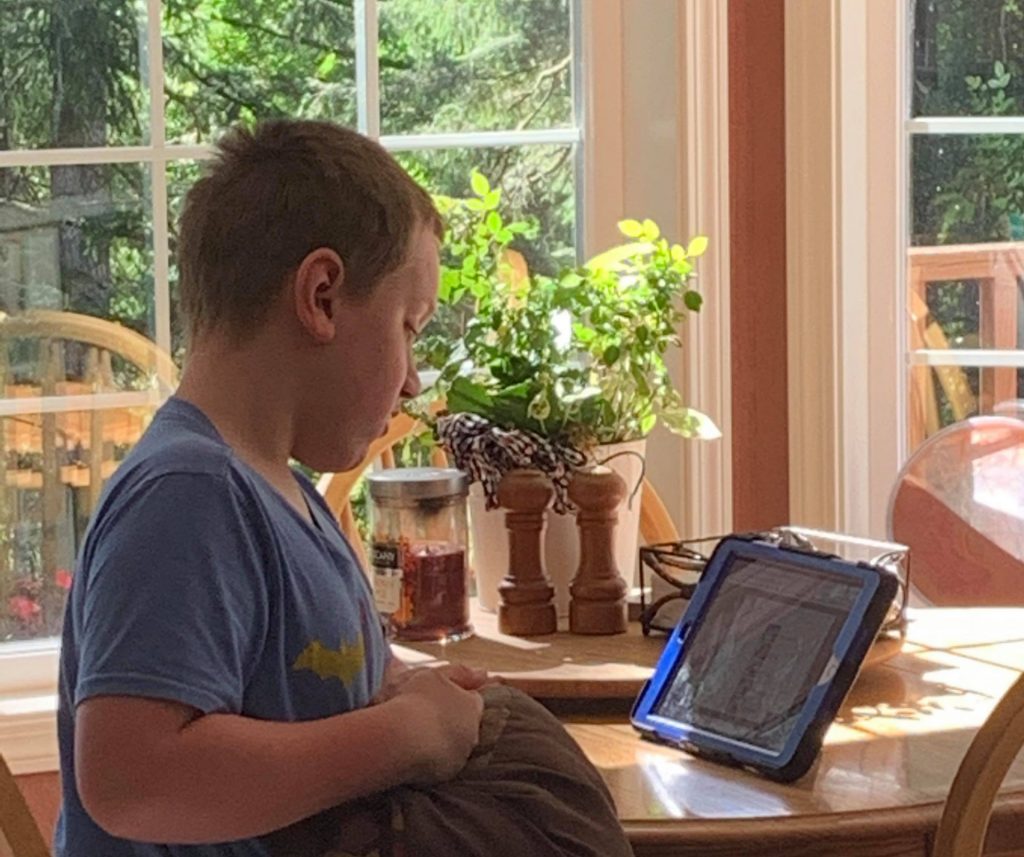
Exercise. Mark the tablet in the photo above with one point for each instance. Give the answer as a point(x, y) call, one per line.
point(764, 655)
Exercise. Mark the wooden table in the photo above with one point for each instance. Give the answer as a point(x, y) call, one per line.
point(877, 788)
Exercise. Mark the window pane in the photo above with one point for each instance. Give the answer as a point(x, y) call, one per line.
point(76, 284)
point(943, 395)
point(536, 182)
point(968, 58)
point(472, 65)
point(966, 272)
point(968, 313)
point(55, 465)
point(967, 188)
point(71, 74)
point(181, 175)
point(231, 60)
point(77, 239)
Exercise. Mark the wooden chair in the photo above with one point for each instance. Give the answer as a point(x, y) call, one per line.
point(99, 333)
point(968, 807)
point(656, 525)
point(38, 433)
point(926, 418)
point(19, 834)
point(996, 269)
point(964, 545)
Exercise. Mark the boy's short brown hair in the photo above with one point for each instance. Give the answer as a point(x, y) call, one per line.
point(274, 194)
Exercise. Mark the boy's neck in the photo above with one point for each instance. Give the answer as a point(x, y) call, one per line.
point(242, 394)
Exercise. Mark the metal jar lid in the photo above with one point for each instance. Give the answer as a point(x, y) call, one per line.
point(417, 483)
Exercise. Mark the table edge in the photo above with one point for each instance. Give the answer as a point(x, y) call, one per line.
point(915, 819)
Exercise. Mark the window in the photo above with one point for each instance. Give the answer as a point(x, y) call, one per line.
point(107, 111)
point(966, 212)
point(903, 233)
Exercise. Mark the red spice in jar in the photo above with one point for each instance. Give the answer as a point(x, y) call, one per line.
point(433, 593)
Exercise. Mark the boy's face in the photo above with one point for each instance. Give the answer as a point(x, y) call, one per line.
point(360, 378)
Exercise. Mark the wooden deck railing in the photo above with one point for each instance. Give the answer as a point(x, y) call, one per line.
point(998, 269)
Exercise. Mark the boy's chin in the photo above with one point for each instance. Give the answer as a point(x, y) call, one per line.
point(334, 461)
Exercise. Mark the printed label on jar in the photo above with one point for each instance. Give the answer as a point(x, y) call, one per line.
point(387, 576)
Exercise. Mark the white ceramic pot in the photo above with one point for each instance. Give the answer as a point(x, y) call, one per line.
point(488, 539)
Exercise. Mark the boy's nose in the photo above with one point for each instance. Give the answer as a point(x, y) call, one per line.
point(412, 387)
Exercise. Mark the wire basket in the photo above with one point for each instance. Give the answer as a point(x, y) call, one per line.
point(680, 564)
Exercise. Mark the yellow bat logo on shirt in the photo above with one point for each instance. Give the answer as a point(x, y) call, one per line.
point(343, 663)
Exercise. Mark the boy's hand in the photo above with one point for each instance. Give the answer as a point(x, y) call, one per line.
point(465, 677)
point(443, 718)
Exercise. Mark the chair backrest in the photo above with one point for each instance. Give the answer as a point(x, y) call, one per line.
point(656, 524)
point(17, 826)
point(76, 392)
point(96, 332)
point(994, 271)
point(957, 505)
point(47, 413)
point(953, 380)
point(969, 804)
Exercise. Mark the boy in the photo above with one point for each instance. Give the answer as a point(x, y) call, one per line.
point(309, 263)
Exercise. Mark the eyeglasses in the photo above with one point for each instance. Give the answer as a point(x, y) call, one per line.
point(680, 565)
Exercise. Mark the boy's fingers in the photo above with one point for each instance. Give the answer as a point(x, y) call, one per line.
point(468, 678)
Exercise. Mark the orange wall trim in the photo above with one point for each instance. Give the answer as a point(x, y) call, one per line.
point(757, 204)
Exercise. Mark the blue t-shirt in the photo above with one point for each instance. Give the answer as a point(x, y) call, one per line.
point(199, 583)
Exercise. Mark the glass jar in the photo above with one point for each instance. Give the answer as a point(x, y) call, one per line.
point(418, 553)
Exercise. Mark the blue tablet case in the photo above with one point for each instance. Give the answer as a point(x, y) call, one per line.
point(764, 655)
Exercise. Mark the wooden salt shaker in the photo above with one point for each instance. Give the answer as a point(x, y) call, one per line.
point(526, 591)
point(598, 604)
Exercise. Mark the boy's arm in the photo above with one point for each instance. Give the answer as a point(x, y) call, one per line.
point(156, 771)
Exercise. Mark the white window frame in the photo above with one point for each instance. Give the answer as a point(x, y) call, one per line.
point(848, 196)
point(845, 153)
point(652, 142)
point(28, 670)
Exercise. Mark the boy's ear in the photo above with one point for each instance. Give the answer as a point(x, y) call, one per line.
point(316, 292)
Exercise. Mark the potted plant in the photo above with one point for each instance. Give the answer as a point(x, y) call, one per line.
point(578, 358)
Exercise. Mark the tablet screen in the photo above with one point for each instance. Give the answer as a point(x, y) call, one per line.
point(762, 645)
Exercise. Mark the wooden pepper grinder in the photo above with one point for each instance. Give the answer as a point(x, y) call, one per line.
point(526, 591)
point(598, 604)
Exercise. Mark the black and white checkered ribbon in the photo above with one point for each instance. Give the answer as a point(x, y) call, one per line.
point(487, 452)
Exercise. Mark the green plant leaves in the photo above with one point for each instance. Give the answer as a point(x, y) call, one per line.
point(580, 355)
point(614, 258)
point(631, 228)
point(466, 396)
point(539, 407)
point(327, 65)
point(690, 423)
point(477, 181)
point(697, 246)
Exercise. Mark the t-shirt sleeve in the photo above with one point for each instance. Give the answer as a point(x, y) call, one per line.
point(175, 601)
